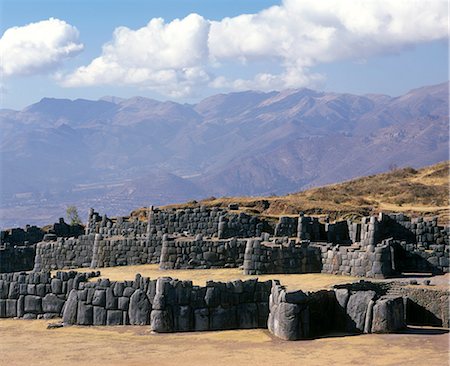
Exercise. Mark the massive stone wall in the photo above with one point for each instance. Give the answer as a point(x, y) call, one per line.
point(280, 256)
point(64, 253)
point(189, 253)
point(356, 260)
point(16, 258)
point(212, 222)
point(356, 308)
point(169, 305)
point(37, 295)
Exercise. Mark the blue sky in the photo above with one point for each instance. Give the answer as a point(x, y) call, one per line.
point(334, 46)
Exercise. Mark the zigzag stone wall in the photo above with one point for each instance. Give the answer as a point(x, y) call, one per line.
point(191, 253)
point(280, 256)
point(37, 294)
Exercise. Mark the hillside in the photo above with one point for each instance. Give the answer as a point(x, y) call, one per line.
point(424, 191)
point(117, 154)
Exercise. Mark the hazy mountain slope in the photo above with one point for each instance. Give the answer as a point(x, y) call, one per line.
point(417, 192)
point(238, 143)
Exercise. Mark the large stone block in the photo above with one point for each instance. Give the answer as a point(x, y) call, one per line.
point(114, 317)
point(388, 315)
point(285, 321)
point(161, 321)
point(99, 315)
point(33, 304)
point(11, 308)
point(52, 304)
point(183, 318)
point(84, 314)
point(70, 308)
point(99, 298)
point(201, 319)
point(247, 316)
point(356, 310)
point(139, 308)
point(223, 318)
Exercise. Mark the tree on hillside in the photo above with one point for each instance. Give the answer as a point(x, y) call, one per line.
point(72, 215)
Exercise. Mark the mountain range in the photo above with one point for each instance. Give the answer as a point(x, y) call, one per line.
point(117, 154)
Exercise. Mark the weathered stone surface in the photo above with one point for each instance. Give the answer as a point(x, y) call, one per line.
point(84, 314)
point(388, 315)
point(223, 318)
point(111, 300)
point(357, 308)
point(70, 308)
point(285, 322)
point(99, 315)
point(33, 304)
point(11, 308)
point(139, 308)
point(56, 286)
point(201, 319)
point(183, 318)
point(161, 321)
point(52, 304)
point(247, 316)
point(114, 317)
point(99, 298)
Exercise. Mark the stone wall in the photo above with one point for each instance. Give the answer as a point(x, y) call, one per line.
point(356, 260)
point(356, 308)
point(426, 306)
point(125, 251)
point(19, 236)
point(206, 221)
point(421, 257)
point(64, 253)
point(169, 305)
point(37, 295)
point(16, 258)
point(286, 226)
point(123, 226)
point(189, 253)
point(280, 256)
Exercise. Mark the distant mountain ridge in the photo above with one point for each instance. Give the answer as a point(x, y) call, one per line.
point(118, 152)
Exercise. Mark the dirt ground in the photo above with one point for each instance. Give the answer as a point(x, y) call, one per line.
point(306, 282)
point(28, 342)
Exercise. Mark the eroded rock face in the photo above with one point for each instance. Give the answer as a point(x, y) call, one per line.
point(356, 310)
point(70, 308)
point(388, 315)
point(139, 308)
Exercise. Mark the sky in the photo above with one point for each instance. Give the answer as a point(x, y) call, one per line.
point(186, 50)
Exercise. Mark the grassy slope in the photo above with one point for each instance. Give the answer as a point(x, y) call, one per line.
point(416, 192)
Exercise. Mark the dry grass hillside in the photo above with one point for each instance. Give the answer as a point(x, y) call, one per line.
point(416, 192)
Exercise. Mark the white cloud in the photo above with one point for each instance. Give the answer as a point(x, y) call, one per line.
point(37, 47)
point(177, 57)
point(167, 57)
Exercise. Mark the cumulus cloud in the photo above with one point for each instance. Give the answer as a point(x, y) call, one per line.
point(177, 57)
point(168, 57)
point(37, 47)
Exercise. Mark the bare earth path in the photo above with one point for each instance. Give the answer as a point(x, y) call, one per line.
point(28, 342)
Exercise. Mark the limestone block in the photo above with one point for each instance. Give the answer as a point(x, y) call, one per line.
point(388, 315)
point(33, 304)
point(52, 304)
point(84, 314)
point(161, 321)
point(139, 308)
point(114, 317)
point(56, 286)
point(357, 308)
point(99, 315)
point(223, 318)
point(70, 308)
point(247, 316)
